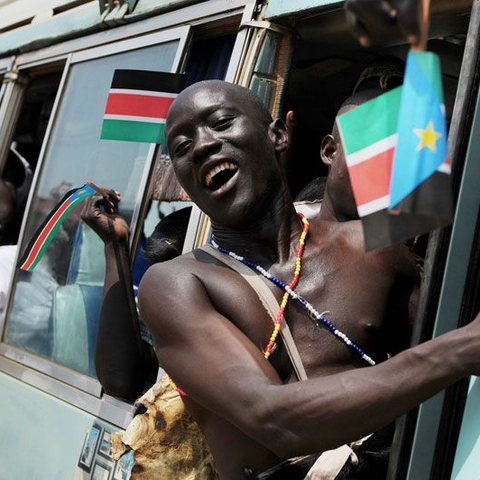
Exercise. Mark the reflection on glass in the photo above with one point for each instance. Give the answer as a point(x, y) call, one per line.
point(55, 308)
point(267, 58)
point(162, 239)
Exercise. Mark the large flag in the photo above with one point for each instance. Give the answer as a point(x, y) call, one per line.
point(371, 143)
point(46, 232)
point(138, 103)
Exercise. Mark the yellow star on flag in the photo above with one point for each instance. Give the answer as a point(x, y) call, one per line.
point(428, 137)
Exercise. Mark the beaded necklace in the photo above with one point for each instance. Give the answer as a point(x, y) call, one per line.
point(289, 290)
point(293, 283)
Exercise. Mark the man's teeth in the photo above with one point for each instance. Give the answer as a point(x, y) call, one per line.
point(214, 171)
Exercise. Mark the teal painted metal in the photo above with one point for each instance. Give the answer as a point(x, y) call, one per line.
point(467, 458)
point(451, 295)
point(278, 8)
point(79, 22)
point(41, 437)
point(38, 35)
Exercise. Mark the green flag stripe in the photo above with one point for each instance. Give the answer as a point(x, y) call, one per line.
point(372, 150)
point(133, 131)
point(370, 122)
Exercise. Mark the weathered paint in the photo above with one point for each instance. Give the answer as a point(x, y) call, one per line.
point(35, 442)
point(277, 8)
point(62, 26)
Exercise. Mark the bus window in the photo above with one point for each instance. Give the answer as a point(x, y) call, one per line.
point(28, 137)
point(167, 208)
point(54, 310)
point(326, 65)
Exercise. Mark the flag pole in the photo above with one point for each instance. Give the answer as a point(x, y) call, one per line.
point(421, 45)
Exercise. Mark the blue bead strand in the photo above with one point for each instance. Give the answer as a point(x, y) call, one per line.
point(319, 318)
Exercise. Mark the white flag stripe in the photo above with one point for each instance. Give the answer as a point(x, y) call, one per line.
point(133, 118)
point(445, 168)
point(374, 206)
point(142, 92)
point(374, 149)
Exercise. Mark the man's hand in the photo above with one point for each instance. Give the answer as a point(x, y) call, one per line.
point(367, 16)
point(101, 214)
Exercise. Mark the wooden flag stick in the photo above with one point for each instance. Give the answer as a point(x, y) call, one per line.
point(421, 44)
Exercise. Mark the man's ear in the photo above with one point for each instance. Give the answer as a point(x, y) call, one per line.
point(328, 149)
point(277, 131)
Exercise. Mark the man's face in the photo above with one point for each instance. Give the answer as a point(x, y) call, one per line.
point(340, 188)
point(222, 151)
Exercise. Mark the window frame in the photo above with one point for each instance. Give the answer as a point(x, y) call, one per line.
point(61, 382)
point(64, 374)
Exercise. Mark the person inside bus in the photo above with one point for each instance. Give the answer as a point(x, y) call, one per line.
point(211, 331)
point(7, 249)
point(125, 362)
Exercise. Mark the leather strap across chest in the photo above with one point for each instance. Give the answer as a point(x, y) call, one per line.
point(268, 301)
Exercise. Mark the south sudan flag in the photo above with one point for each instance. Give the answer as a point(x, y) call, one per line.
point(396, 153)
point(420, 182)
point(369, 137)
point(46, 232)
point(138, 103)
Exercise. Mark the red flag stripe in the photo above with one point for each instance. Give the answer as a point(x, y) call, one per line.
point(371, 179)
point(138, 105)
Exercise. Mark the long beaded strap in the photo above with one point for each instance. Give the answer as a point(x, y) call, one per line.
point(319, 318)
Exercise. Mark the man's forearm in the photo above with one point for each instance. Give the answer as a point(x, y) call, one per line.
point(323, 413)
point(118, 351)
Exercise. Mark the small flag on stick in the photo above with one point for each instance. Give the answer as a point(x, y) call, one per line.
point(138, 103)
point(47, 231)
point(369, 137)
point(421, 162)
point(408, 170)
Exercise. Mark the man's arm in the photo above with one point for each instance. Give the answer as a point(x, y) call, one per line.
point(222, 370)
point(119, 354)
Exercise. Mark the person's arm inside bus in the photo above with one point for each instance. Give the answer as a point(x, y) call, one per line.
point(123, 361)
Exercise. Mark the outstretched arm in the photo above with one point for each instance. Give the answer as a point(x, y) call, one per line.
point(222, 370)
point(119, 356)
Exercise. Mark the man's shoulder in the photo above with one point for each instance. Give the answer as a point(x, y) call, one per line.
point(195, 263)
point(347, 234)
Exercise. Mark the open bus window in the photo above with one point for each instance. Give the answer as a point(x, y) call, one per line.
point(55, 308)
point(326, 64)
point(27, 140)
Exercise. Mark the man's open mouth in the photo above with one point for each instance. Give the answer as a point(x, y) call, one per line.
point(220, 175)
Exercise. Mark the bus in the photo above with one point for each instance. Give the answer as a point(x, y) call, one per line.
point(57, 58)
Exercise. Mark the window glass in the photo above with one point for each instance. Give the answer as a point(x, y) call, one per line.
point(55, 308)
point(264, 80)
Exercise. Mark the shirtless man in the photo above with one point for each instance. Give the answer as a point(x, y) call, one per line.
point(210, 329)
